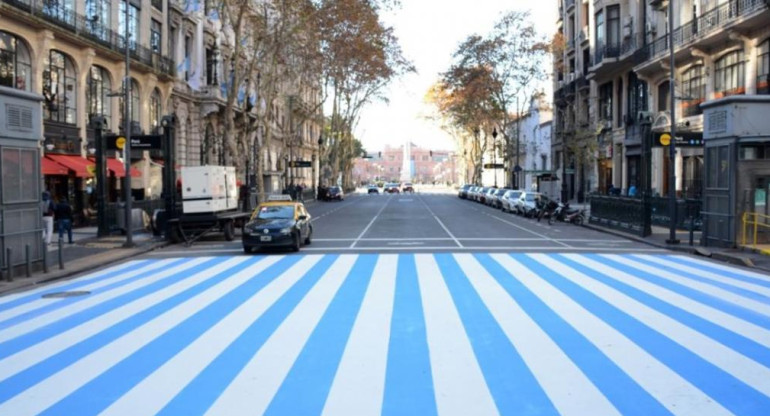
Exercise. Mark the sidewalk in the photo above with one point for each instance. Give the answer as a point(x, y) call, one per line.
point(85, 254)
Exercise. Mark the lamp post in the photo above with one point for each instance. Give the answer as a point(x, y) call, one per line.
point(494, 154)
point(672, 145)
point(481, 156)
point(127, 147)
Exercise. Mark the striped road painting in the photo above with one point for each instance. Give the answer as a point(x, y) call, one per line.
point(422, 334)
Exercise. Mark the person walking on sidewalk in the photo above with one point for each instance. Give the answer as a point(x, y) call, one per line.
point(47, 208)
point(64, 218)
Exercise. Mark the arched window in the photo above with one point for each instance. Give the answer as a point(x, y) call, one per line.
point(60, 88)
point(134, 116)
point(763, 67)
point(15, 68)
point(730, 74)
point(97, 93)
point(155, 110)
point(694, 90)
point(207, 145)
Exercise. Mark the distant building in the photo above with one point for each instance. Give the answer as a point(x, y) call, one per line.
point(424, 166)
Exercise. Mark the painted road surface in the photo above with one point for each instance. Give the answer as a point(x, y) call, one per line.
point(395, 334)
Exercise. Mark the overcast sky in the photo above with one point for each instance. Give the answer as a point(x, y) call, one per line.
point(429, 31)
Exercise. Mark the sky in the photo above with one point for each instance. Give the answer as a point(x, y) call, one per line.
point(429, 32)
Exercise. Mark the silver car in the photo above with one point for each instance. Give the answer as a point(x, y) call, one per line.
point(528, 203)
point(508, 201)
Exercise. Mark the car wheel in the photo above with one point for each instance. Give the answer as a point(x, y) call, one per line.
point(309, 235)
point(296, 243)
point(247, 249)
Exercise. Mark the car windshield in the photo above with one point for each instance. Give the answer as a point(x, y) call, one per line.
point(514, 195)
point(285, 212)
point(530, 197)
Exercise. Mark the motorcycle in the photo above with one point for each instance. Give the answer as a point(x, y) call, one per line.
point(564, 213)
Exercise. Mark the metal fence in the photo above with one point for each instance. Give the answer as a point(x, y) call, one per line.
point(627, 213)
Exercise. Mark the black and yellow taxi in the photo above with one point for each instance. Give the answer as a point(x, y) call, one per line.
point(279, 222)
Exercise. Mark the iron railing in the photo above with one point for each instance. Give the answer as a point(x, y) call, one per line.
point(627, 213)
point(708, 22)
point(617, 50)
point(94, 30)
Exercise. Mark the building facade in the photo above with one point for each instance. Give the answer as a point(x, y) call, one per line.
point(534, 132)
point(424, 166)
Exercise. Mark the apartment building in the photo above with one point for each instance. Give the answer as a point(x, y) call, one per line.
point(622, 50)
point(534, 131)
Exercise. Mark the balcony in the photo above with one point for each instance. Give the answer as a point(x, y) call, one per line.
point(611, 57)
point(709, 30)
point(94, 32)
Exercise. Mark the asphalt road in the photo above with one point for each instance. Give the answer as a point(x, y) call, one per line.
point(428, 222)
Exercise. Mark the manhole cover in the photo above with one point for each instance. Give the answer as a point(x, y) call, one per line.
point(66, 294)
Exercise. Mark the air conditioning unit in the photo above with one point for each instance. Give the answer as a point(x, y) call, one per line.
point(583, 36)
point(627, 31)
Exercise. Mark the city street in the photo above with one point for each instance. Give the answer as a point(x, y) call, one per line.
point(414, 304)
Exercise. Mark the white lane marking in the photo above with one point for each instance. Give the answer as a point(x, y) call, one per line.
point(40, 302)
point(709, 313)
point(93, 300)
point(359, 384)
point(545, 237)
point(570, 390)
point(53, 286)
point(405, 243)
point(32, 355)
point(459, 244)
point(458, 383)
point(730, 361)
point(258, 381)
point(753, 287)
point(577, 240)
point(652, 375)
point(61, 384)
point(370, 223)
point(154, 392)
point(463, 249)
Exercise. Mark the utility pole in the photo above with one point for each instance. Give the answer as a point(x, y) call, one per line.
point(672, 145)
point(127, 147)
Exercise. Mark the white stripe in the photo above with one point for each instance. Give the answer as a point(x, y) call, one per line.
point(544, 237)
point(92, 300)
point(711, 290)
point(747, 329)
point(741, 367)
point(61, 384)
point(370, 224)
point(254, 387)
point(41, 302)
point(652, 375)
point(753, 287)
point(718, 266)
point(41, 351)
point(49, 287)
point(570, 390)
point(155, 391)
point(359, 385)
point(441, 223)
point(458, 383)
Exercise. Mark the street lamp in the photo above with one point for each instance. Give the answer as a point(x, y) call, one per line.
point(494, 154)
point(672, 145)
point(127, 147)
point(481, 157)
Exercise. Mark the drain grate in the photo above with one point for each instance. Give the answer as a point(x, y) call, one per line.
point(66, 294)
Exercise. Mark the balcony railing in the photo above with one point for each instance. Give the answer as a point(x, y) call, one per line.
point(705, 24)
point(94, 30)
point(616, 50)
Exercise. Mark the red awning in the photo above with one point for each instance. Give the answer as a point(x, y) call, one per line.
point(75, 163)
point(119, 169)
point(49, 167)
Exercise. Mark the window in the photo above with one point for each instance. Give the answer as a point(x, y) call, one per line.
point(637, 95)
point(599, 33)
point(59, 88)
point(97, 93)
point(605, 101)
point(694, 90)
point(729, 74)
point(619, 102)
point(98, 18)
point(718, 161)
point(134, 92)
point(763, 67)
point(15, 68)
point(133, 24)
point(211, 67)
point(187, 56)
point(155, 110)
point(613, 28)
point(155, 36)
point(18, 170)
point(61, 10)
point(172, 34)
point(664, 96)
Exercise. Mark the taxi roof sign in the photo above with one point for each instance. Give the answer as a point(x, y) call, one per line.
point(279, 198)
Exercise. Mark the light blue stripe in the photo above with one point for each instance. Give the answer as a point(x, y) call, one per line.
point(25, 341)
point(100, 392)
point(513, 386)
point(620, 389)
point(203, 391)
point(75, 284)
point(723, 335)
point(307, 385)
point(734, 274)
point(695, 277)
point(408, 379)
point(38, 372)
point(725, 389)
point(58, 303)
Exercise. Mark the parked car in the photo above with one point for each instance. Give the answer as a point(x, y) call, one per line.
point(508, 200)
point(463, 192)
point(481, 196)
point(471, 196)
point(496, 201)
point(391, 188)
point(408, 187)
point(335, 193)
point(528, 203)
point(489, 199)
point(281, 223)
point(373, 189)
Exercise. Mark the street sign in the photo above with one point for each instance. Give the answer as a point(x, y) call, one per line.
point(300, 164)
point(493, 166)
point(140, 142)
point(665, 139)
point(684, 140)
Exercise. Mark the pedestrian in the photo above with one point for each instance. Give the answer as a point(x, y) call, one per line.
point(47, 209)
point(64, 218)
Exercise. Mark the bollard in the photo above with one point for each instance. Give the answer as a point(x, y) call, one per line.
point(27, 266)
point(61, 258)
point(692, 230)
point(45, 257)
point(9, 276)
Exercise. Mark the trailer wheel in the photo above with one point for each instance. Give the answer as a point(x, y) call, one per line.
point(229, 230)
